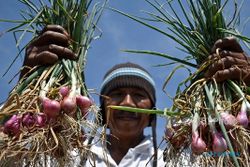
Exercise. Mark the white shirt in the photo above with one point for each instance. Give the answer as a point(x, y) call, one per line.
point(139, 156)
point(184, 159)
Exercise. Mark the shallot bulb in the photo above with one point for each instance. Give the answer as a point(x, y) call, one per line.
point(229, 120)
point(219, 143)
point(84, 103)
point(68, 104)
point(51, 108)
point(41, 119)
point(198, 145)
point(64, 91)
point(242, 115)
point(28, 120)
point(12, 126)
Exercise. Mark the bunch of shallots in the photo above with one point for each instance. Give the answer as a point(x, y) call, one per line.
point(51, 110)
point(49, 114)
point(219, 125)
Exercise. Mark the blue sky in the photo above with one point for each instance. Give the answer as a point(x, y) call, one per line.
point(118, 32)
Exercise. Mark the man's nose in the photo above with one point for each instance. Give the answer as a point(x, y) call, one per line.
point(128, 101)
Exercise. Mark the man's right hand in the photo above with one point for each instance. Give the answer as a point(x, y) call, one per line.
point(50, 46)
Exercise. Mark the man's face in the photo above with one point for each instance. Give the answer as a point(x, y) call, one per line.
point(127, 124)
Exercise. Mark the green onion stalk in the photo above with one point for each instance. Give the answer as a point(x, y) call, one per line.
point(50, 113)
point(222, 136)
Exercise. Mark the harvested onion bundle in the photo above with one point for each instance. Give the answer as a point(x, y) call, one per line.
point(49, 114)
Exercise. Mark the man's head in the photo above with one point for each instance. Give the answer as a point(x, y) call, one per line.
point(129, 85)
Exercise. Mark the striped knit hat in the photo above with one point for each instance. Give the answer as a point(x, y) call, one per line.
point(127, 75)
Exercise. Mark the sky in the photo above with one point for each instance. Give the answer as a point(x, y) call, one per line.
point(118, 33)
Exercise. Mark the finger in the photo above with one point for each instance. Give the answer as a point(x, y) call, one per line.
point(56, 28)
point(52, 52)
point(51, 37)
point(225, 63)
point(246, 76)
point(229, 43)
point(45, 58)
point(238, 55)
point(231, 73)
point(226, 53)
point(61, 52)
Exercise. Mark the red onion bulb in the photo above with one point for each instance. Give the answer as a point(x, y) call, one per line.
point(12, 126)
point(242, 116)
point(84, 103)
point(28, 120)
point(68, 104)
point(41, 119)
point(229, 120)
point(51, 108)
point(198, 145)
point(219, 143)
point(64, 91)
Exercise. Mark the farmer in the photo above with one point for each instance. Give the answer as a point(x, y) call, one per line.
point(130, 85)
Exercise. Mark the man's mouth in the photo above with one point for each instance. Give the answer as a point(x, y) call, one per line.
point(123, 115)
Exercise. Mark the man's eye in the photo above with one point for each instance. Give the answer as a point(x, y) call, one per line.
point(139, 95)
point(116, 94)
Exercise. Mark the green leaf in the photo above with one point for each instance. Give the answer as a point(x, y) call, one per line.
point(162, 55)
point(144, 111)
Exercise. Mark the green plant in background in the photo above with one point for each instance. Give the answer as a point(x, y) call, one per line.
point(38, 128)
point(209, 116)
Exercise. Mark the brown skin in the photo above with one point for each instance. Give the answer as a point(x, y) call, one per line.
point(48, 48)
point(232, 63)
point(126, 128)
